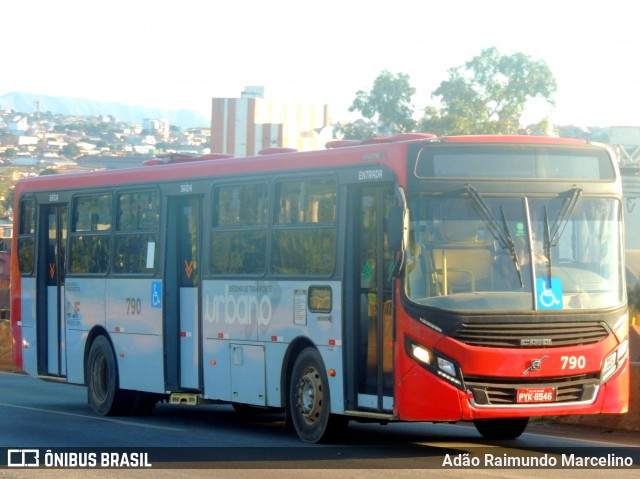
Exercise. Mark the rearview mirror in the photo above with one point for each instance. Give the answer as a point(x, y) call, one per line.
point(397, 228)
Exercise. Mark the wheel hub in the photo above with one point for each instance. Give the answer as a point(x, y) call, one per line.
point(310, 396)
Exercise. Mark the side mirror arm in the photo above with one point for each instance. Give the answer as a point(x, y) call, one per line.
point(398, 231)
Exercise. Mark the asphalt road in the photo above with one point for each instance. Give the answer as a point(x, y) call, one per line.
point(207, 440)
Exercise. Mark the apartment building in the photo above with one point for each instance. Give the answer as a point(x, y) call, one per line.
point(244, 126)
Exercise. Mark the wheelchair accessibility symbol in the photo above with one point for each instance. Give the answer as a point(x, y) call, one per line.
point(156, 294)
point(549, 293)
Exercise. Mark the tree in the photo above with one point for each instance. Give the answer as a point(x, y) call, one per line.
point(356, 130)
point(9, 197)
point(6, 191)
point(71, 150)
point(10, 153)
point(488, 94)
point(388, 104)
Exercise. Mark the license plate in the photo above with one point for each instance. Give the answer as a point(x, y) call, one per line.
point(534, 395)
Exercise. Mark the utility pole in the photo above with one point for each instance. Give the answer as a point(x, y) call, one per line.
point(37, 118)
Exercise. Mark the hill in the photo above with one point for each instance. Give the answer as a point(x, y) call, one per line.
point(26, 103)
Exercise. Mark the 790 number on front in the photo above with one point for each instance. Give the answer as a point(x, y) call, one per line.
point(573, 362)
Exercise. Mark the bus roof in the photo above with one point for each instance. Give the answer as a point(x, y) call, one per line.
point(189, 168)
point(524, 139)
point(338, 153)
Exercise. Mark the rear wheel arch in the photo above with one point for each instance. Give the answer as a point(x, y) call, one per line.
point(104, 393)
point(102, 378)
point(295, 348)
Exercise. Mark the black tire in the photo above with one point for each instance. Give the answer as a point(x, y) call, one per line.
point(105, 397)
point(310, 400)
point(503, 428)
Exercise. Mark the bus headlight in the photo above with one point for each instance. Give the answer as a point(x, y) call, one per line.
point(423, 355)
point(614, 361)
point(435, 362)
point(447, 367)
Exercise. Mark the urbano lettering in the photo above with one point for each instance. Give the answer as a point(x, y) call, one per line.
point(233, 308)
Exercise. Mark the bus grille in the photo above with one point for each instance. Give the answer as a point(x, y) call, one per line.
point(502, 392)
point(531, 335)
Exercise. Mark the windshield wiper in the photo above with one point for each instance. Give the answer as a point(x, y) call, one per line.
point(553, 233)
point(511, 247)
point(500, 231)
point(547, 242)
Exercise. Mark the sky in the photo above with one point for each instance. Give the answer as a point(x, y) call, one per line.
point(181, 54)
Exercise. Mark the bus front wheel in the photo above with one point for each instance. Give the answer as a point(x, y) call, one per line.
point(501, 428)
point(105, 397)
point(309, 400)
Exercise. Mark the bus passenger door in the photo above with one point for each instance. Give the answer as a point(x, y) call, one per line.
point(50, 306)
point(370, 319)
point(182, 306)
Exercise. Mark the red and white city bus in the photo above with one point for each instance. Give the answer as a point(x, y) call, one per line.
point(412, 278)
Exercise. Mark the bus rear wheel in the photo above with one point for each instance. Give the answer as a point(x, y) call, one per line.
point(501, 428)
point(309, 400)
point(105, 397)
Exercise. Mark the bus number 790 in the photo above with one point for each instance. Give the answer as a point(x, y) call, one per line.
point(573, 362)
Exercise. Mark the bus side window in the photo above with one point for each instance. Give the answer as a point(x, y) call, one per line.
point(26, 235)
point(239, 233)
point(90, 234)
point(137, 228)
point(304, 230)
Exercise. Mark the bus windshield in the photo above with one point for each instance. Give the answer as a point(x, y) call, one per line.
point(470, 252)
